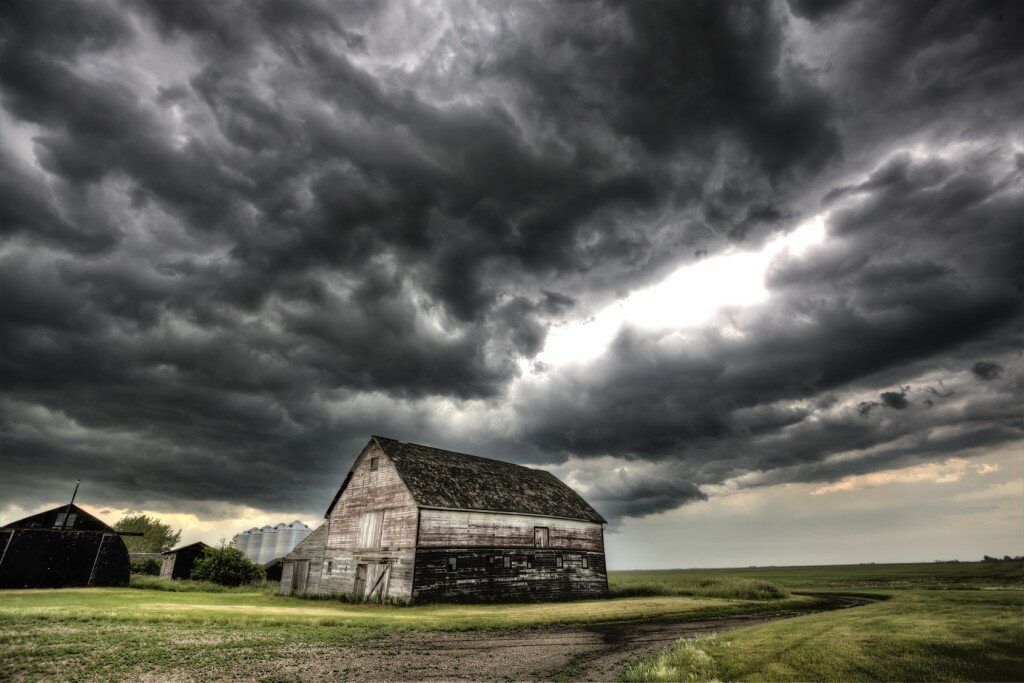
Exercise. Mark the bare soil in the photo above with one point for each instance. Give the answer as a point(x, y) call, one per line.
point(596, 653)
point(593, 653)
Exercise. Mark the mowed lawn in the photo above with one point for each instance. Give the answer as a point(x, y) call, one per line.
point(105, 633)
point(939, 622)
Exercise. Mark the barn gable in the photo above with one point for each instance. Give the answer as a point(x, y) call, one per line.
point(63, 517)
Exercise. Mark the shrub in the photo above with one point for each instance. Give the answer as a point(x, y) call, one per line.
point(227, 566)
point(720, 587)
point(149, 566)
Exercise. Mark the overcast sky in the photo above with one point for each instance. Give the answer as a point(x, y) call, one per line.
point(747, 275)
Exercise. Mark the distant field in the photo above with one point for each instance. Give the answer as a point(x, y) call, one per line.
point(929, 575)
point(939, 622)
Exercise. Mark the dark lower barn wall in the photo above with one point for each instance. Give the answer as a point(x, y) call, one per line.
point(533, 574)
point(40, 558)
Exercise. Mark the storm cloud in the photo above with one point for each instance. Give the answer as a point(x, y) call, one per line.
point(240, 237)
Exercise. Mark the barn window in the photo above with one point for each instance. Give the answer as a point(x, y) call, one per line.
point(508, 562)
point(529, 561)
point(61, 516)
point(540, 536)
point(558, 561)
point(71, 519)
point(330, 566)
point(586, 565)
point(453, 563)
point(374, 462)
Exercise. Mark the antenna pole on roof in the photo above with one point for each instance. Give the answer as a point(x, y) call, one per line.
point(68, 511)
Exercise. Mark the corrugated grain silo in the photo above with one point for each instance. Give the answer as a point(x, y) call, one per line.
point(268, 544)
point(255, 544)
point(290, 536)
point(241, 541)
point(280, 540)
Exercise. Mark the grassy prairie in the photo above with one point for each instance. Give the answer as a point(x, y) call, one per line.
point(940, 622)
point(936, 631)
point(924, 575)
point(109, 633)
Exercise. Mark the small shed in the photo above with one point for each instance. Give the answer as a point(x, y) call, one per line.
point(65, 546)
point(178, 562)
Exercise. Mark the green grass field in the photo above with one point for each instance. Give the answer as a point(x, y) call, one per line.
point(110, 633)
point(931, 628)
point(939, 622)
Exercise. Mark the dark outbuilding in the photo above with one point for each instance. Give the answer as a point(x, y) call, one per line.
point(273, 569)
point(65, 546)
point(178, 562)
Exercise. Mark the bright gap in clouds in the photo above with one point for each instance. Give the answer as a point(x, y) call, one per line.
point(688, 297)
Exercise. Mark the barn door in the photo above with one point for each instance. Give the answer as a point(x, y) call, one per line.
point(360, 581)
point(377, 577)
point(300, 572)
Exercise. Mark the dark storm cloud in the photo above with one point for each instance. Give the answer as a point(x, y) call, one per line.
point(986, 371)
point(239, 237)
point(918, 268)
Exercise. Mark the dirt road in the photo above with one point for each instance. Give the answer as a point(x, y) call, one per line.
point(595, 653)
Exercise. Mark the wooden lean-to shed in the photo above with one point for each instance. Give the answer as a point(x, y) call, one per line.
point(416, 522)
point(65, 546)
point(178, 562)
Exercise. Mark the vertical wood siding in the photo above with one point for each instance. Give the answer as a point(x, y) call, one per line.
point(373, 523)
point(311, 552)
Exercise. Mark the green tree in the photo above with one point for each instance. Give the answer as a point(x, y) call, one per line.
point(227, 566)
point(157, 537)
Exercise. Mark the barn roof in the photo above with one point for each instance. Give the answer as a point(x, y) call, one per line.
point(198, 544)
point(445, 479)
point(83, 521)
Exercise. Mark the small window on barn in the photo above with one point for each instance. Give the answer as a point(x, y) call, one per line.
point(374, 463)
point(586, 565)
point(453, 564)
point(71, 520)
point(540, 536)
point(330, 566)
point(508, 562)
point(529, 561)
point(558, 561)
point(61, 516)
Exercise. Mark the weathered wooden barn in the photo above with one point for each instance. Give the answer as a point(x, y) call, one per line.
point(178, 562)
point(415, 522)
point(65, 546)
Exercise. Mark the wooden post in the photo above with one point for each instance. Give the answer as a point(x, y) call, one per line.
point(96, 561)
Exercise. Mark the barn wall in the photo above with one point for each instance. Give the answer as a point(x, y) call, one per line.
point(41, 558)
point(396, 564)
point(310, 551)
point(373, 523)
point(460, 529)
point(534, 574)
